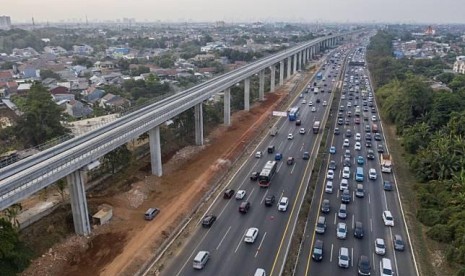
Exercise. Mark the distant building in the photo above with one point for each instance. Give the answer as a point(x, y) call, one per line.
point(55, 50)
point(114, 101)
point(82, 49)
point(5, 22)
point(459, 65)
point(77, 109)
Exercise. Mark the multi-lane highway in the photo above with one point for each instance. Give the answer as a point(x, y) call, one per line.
point(230, 255)
point(367, 210)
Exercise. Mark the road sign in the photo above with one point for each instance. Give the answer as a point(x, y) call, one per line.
point(279, 113)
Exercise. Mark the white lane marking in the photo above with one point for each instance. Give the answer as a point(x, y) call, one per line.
point(293, 167)
point(192, 254)
point(353, 222)
point(335, 218)
point(240, 241)
point(371, 225)
point(248, 197)
point(263, 198)
point(260, 245)
point(331, 256)
point(279, 146)
point(279, 166)
point(290, 146)
point(369, 199)
point(352, 257)
point(222, 239)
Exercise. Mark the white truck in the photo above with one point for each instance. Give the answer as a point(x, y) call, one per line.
point(386, 163)
point(273, 130)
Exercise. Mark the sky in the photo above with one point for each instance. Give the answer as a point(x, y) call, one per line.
point(379, 11)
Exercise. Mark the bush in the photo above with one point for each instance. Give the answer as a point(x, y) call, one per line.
point(428, 217)
point(440, 233)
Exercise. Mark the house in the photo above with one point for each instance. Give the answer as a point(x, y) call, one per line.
point(6, 75)
point(104, 65)
point(205, 57)
point(23, 88)
point(55, 50)
point(24, 53)
point(62, 97)
point(93, 95)
point(31, 73)
point(459, 65)
point(77, 109)
point(58, 89)
point(82, 49)
point(114, 101)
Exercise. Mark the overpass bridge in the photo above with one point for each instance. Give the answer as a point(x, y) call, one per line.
point(74, 157)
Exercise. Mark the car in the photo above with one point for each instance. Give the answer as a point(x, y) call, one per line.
point(348, 133)
point(385, 267)
point(364, 267)
point(368, 136)
point(368, 144)
point(341, 230)
point(357, 120)
point(330, 175)
point(283, 203)
point(336, 131)
point(290, 136)
point(325, 103)
point(301, 95)
point(347, 162)
point(332, 165)
point(302, 130)
point(347, 122)
point(325, 206)
point(344, 185)
point(304, 101)
point(380, 148)
point(360, 160)
point(346, 172)
point(310, 103)
point(380, 246)
point(290, 161)
point(370, 154)
point(228, 193)
point(278, 156)
point(358, 146)
point(378, 137)
point(244, 207)
point(208, 220)
point(387, 185)
point(372, 174)
point(398, 243)
point(332, 150)
point(151, 213)
point(270, 149)
point(388, 219)
point(349, 113)
point(358, 230)
point(298, 122)
point(373, 118)
point(346, 143)
point(251, 235)
point(373, 109)
point(329, 187)
point(258, 154)
point(269, 200)
point(347, 154)
point(306, 155)
point(340, 121)
point(313, 109)
point(240, 194)
point(345, 196)
point(318, 100)
point(317, 254)
point(358, 136)
point(254, 176)
point(343, 257)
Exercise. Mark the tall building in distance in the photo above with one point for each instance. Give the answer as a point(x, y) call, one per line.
point(5, 22)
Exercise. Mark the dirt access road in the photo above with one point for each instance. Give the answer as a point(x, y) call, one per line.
point(127, 242)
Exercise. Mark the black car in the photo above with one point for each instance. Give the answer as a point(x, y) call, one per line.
point(254, 176)
point(364, 267)
point(298, 122)
point(349, 133)
point(317, 254)
point(368, 137)
point(336, 131)
point(269, 200)
point(228, 193)
point(345, 197)
point(387, 186)
point(370, 154)
point(347, 162)
point(208, 220)
point(332, 165)
point(368, 144)
point(340, 121)
point(399, 243)
point(318, 100)
point(325, 206)
point(290, 160)
point(270, 149)
point(378, 137)
point(380, 148)
point(358, 230)
point(244, 207)
point(306, 155)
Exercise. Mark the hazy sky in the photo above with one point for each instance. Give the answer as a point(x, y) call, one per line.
point(406, 11)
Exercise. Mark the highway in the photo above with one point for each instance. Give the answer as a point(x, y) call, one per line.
point(367, 210)
point(224, 239)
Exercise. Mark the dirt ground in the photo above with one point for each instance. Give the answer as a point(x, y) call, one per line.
point(128, 241)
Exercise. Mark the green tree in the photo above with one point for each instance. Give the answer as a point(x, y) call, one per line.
point(12, 213)
point(118, 157)
point(45, 73)
point(61, 186)
point(14, 256)
point(41, 120)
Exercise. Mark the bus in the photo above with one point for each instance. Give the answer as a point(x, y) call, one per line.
point(359, 174)
point(319, 76)
point(267, 173)
point(294, 113)
point(316, 127)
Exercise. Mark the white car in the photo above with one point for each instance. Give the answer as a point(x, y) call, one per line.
point(346, 172)
point(240, 194)
point(290, 136)
point(358, 146)
point(251, 235)
point(325, 103)
point(302, 130)
point(380, 247)
point(358, 137)
point(329, 187)
point(258, 154)
point(372, 174)
point(344, 185)
point(373, 118)
point(310, 103)
point(346, 143)
point(313, 109)
point(304, 101)
point(330, 175)
point(388, 219)
point(343, 258)
point(341, 230)
point(283, 203)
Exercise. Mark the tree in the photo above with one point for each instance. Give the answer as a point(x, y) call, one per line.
point(45, 73)
point(61, 187)
point(12, 213)
point(41, 120)
point(14, 256)
point(118, 157)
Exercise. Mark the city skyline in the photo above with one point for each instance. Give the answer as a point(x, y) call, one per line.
point(379, 11)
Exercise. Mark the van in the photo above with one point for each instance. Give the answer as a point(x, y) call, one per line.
point(251, 235)
point(201, 259)
point(359, 192)
point(260, 272)
point(151, 213)
point(321, 225)
point(342, 213)
point(385, 267)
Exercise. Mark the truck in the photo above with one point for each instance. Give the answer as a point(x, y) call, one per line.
point(386, 163)
point(273, 130)
point(316, 127)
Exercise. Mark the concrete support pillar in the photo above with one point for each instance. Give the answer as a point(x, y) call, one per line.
point(198, 117)
point(272, 77)
point(155, 151)
point(77, 193)
point(227, 107)
point(261, 87)
point(288, 67)
point(247, 94)
point(302, 60)
point(295, 64)
point(299, 63)
point(281, 72)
